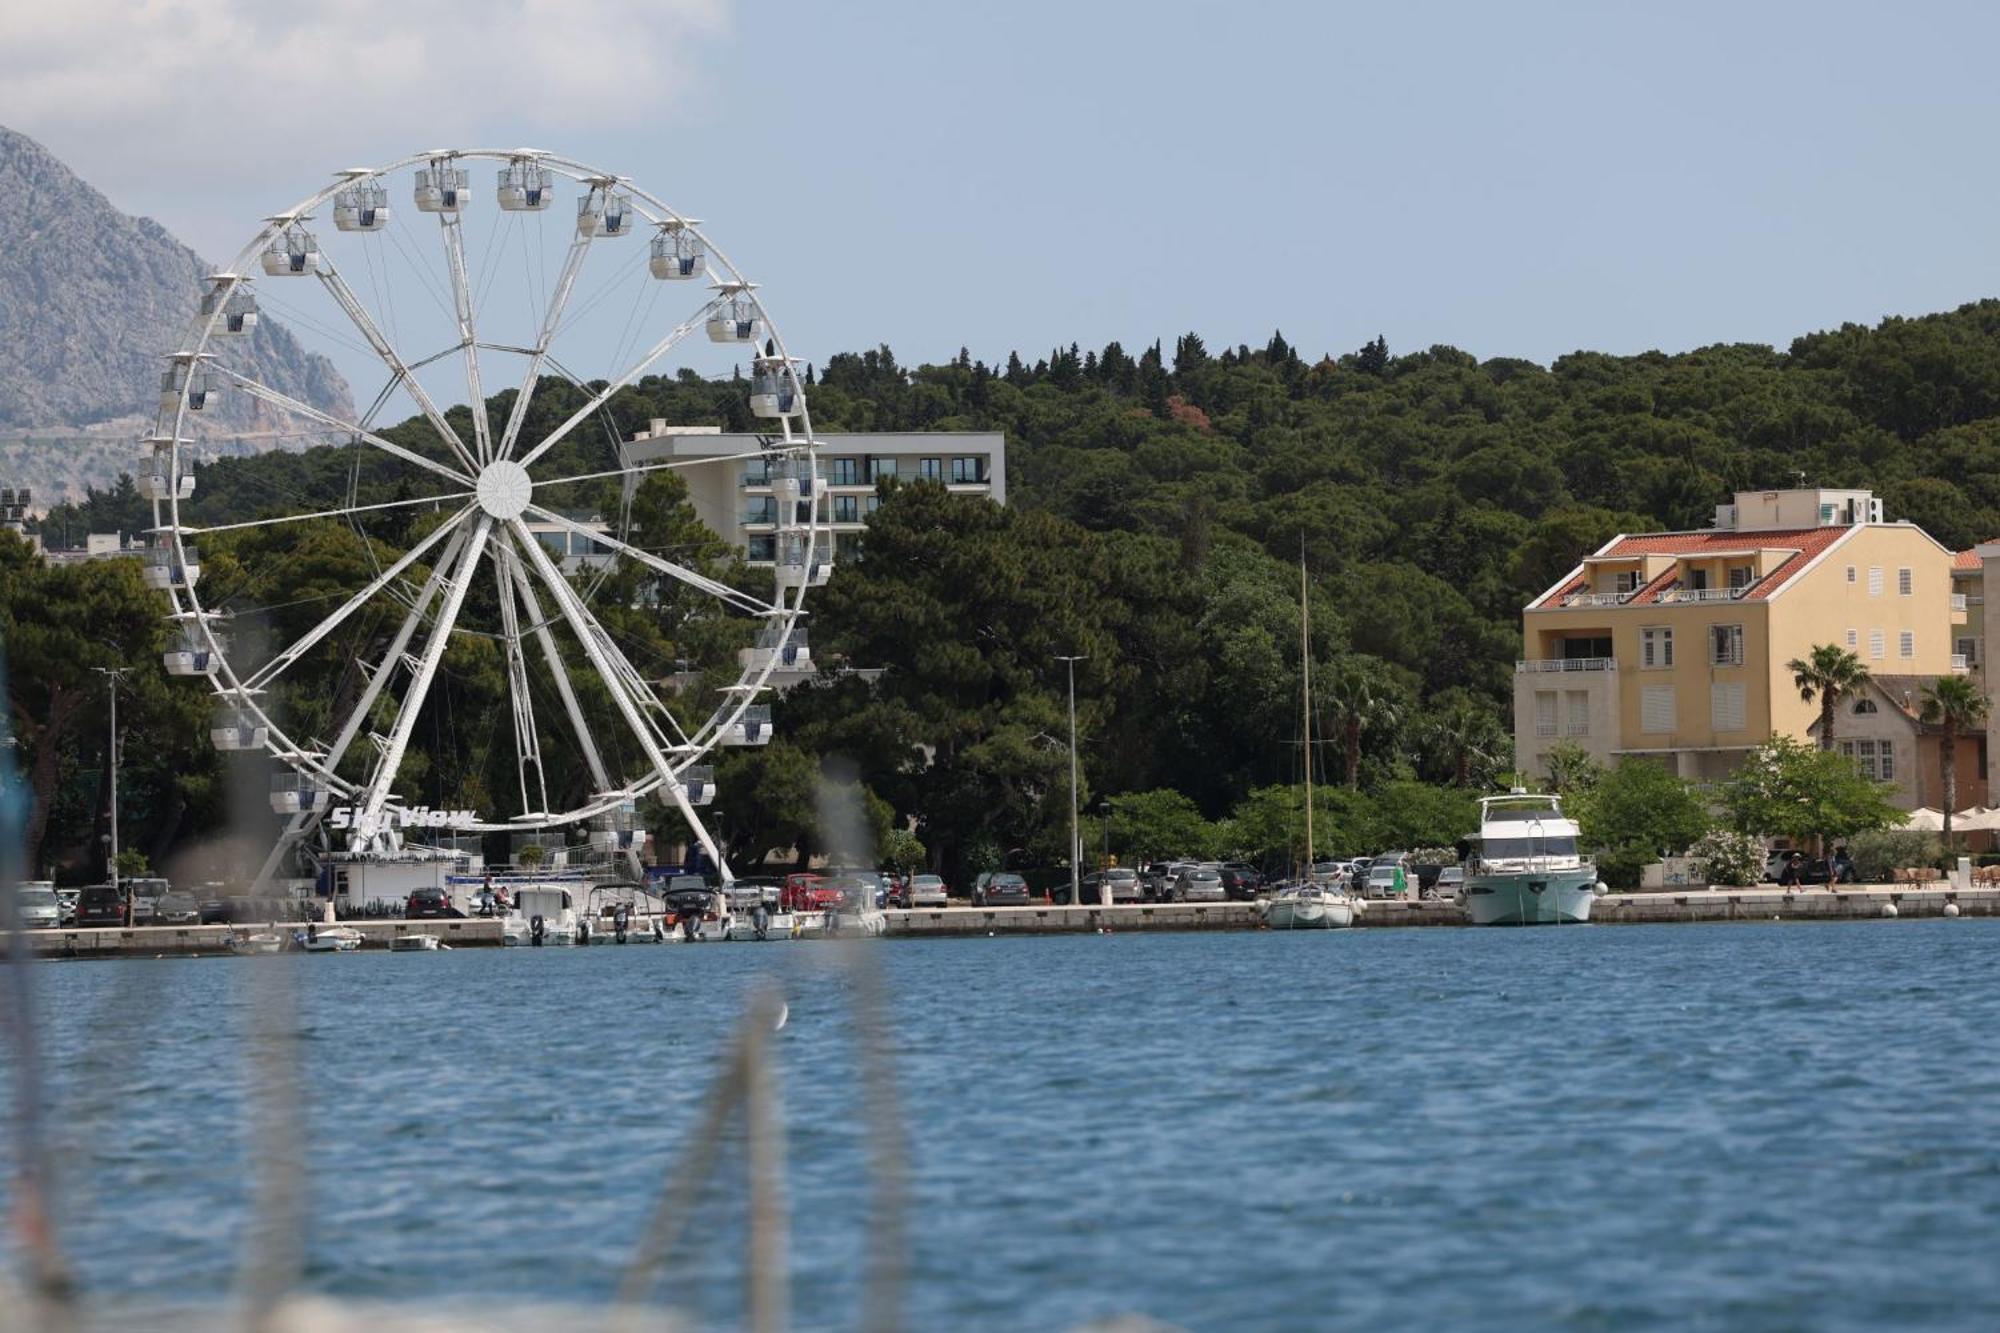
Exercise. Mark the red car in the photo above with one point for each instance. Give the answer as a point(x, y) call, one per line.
point(809, 893)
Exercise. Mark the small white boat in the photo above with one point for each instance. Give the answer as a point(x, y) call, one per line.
point(334, 939)
point(756, 913)
point(544, 914)
point(262, 941)
point(622, 912)
point(413, 944)
point(1309, 907)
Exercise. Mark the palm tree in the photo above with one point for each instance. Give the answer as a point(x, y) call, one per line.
point(1829, 673)
point(1361, 701)
point(1954, 704)
point(1467, 736)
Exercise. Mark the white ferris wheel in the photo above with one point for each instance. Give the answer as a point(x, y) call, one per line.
point(393, 262)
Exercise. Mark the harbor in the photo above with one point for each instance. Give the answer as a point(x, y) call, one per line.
point(1868, 902)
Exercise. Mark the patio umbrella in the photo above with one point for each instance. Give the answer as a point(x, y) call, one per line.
point(1925, 820)
point(1979, 819)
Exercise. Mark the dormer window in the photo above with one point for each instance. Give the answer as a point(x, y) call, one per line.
point(1863, 707)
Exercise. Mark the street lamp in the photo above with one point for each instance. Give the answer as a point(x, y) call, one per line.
point(113, 678)
point(1075, 835)
point(1104, 861)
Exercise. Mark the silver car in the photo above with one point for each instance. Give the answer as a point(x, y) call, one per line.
point(1199, 884)
point(927, 891)
point(38, 906)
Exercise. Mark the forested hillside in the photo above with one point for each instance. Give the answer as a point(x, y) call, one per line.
point(1160, 504)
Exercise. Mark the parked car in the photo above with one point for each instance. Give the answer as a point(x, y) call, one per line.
point(1450, 885)
point(67, 898)
point(805, 892)
point(1198, 884)
point(100, 905)
point(926, 891)
point(1240, 882)
point(213, 911)
point(176, 909)
point(1122, 882)
point(428, 904)
point(38, 907)
point(1001, 888)
point(1389, 879)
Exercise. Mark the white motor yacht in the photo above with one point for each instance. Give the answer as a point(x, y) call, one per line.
point(541, 914)
point(1309, 907)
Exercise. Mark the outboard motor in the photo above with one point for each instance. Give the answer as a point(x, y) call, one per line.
point(689, 927)
point(535, 930)
point(760, 920)
point(621, 920)
point(583, 932)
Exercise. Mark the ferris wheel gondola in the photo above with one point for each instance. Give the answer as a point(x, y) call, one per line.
point(488, 481)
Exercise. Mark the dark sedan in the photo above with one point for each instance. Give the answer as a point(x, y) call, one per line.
point(1002, 890)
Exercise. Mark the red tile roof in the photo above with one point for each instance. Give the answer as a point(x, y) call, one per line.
point(1963, 560)
point(1807, 542)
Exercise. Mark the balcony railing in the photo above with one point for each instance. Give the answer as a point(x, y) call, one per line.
point(1958, 601)
point(1703, 594)
point(1596, 599)
point(1533, 664)
point(1959, 662)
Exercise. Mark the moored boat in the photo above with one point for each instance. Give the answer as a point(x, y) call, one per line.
point(334, 939)
point(413, 944)
point(1309, 907)
point(263, 941)
point(1525, 869)
point(541, 914)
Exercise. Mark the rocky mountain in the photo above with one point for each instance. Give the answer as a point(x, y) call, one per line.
point(89, 300)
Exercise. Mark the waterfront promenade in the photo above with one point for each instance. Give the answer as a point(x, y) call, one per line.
point(1760, 903)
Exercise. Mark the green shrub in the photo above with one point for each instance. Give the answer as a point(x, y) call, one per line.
point(1735, 859)
point(1877, 855)
point(1620, 867)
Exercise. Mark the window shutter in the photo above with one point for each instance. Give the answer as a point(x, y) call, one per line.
point(1876, 649)
point(1545, 712)
point(1656, 710)
point(1874, 580)
point(1725, 706)
point(1906, 643)
point(1579, 713)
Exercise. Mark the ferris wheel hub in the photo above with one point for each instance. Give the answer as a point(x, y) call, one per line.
point(504, 489)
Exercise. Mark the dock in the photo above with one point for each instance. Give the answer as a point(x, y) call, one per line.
point(1864, 902)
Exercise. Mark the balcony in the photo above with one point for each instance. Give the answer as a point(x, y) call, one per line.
point(1692, 595)
point(1596, 599)
point(1531, 665)
point(1958, 601)
point(1960, 663)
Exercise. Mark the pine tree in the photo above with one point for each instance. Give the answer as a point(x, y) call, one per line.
point(1373, 359)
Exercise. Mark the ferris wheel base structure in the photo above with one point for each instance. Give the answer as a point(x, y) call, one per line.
point(468, 471)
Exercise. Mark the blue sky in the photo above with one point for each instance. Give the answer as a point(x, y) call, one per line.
point(1517, 180)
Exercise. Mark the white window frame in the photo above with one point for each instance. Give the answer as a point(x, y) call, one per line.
point(1852, 574)
point(1906, 582)
point(1874, 580)
point(1969, 650)
point(1547, 706)
point(1854, 641)
point(1576, 712)
point(1727, 706)
point(1656, 647)
point(1725, 645)
point(1878, 645)
point(1906, 644)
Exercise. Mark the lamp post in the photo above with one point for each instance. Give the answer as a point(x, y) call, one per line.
point(1104, 861)
point(1075, 835)
point(113, 678)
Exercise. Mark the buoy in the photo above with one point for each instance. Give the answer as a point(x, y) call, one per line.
point(1951, 909)
point(1889, 909)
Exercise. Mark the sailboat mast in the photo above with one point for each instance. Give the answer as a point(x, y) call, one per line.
point(1305, 700)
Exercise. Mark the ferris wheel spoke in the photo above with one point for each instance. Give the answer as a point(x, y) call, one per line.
point(588, 635)
point(402, 373)
point(552, 656)
point(461, 295)
point(579, 246)
point(327, 513)
point(638, 368)
point(267, 394)
point(419, 688)
point(735, 597)
point(272, 669)
point(392, 656)
point(527, 741)
point(651, 709)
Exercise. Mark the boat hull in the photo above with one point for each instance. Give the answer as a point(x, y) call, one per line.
point(1544, 898)
point(1291, 914)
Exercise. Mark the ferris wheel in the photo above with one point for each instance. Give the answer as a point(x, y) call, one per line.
point(454, 308)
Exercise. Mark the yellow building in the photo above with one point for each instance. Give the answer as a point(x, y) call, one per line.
point(1673, 645)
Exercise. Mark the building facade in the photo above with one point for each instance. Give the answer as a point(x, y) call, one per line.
point(735, 500)
point(1673, 645)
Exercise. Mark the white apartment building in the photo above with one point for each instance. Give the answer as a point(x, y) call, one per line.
point(734, 498)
